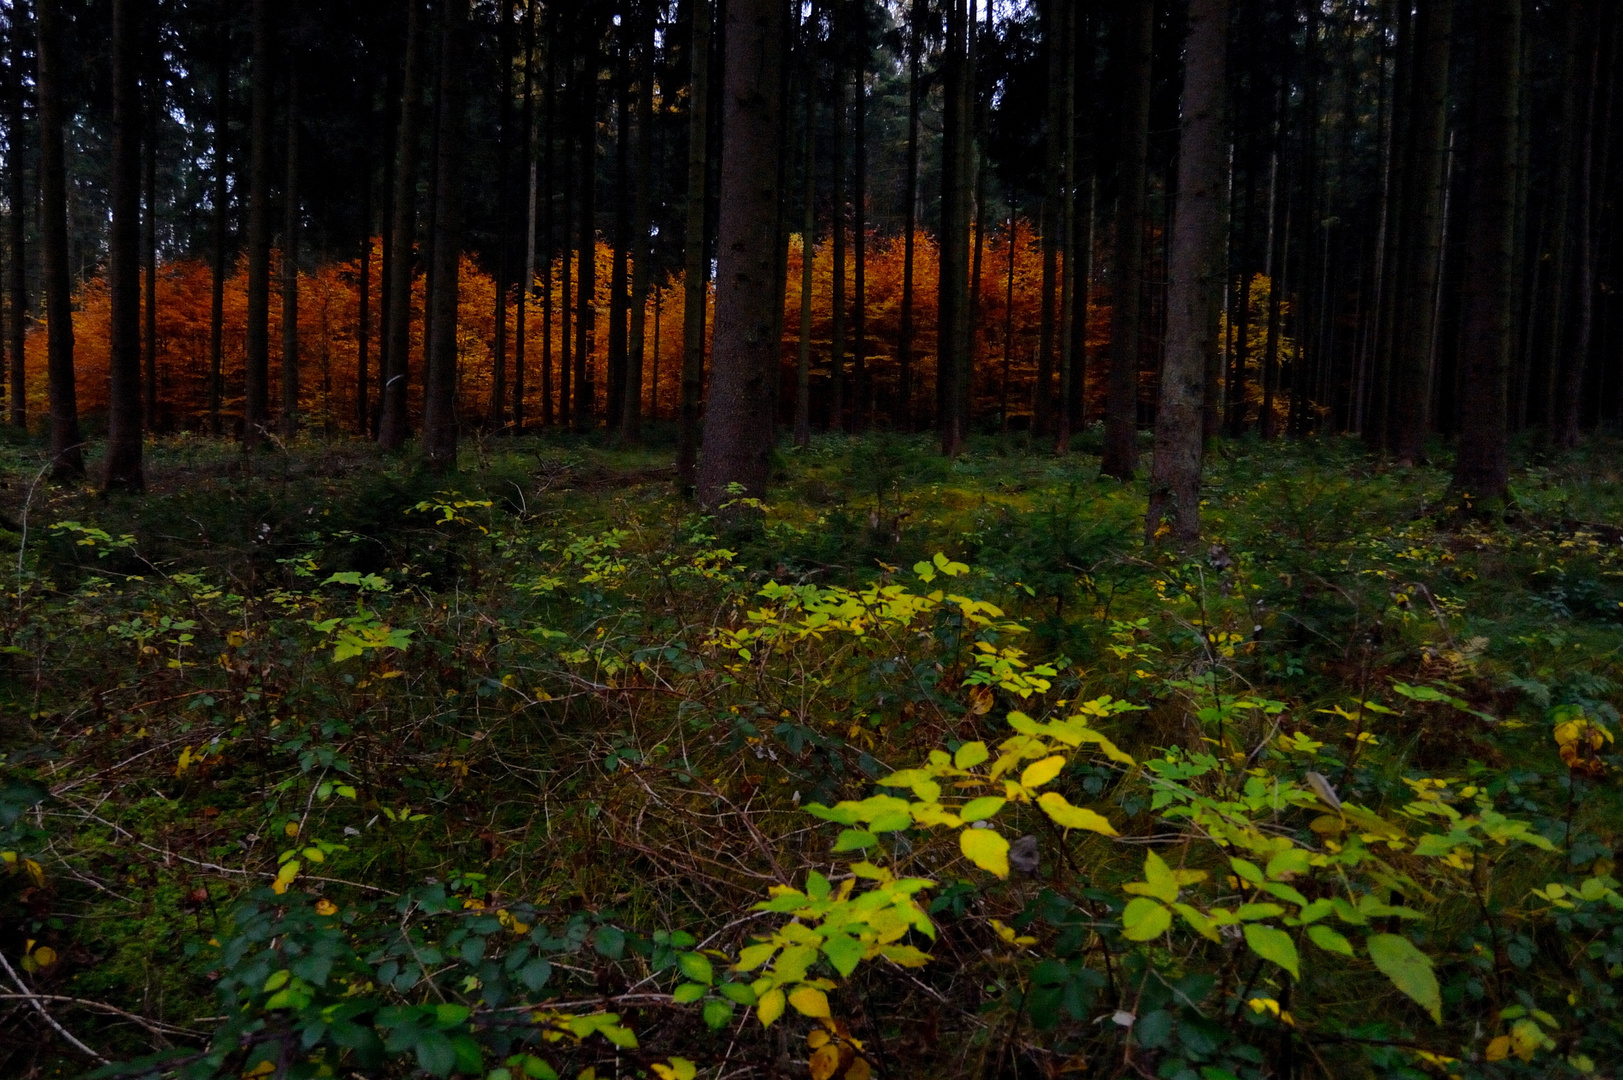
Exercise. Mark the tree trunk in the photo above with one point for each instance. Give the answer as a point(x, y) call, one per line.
point(149, 253)
point(440, 375)
point(1067, 238)
point(952, 325)
point(290, 257)
point(1377, 422)
point(256, 358)
point(1423, 206)
point(808, 240)
point(393, 424)
point(1121, 419)
point(642, 210)
point(527, 283)
point(1573, 369)
point(619, 339)
point(904, 347)
point(363, 328)
point(1481, 461)
point(739, 415)
point(124, 263)
point(861, 392)
point(1054, 21)
point(586, 263)
point(836, 225)
point(566, 323)
point(696, 264)
point(1197, 275)
point(67, 456)
point(504, 215)
point(1566, 169)
point(17, 135)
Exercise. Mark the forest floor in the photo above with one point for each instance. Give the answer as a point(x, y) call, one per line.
point(315, 764)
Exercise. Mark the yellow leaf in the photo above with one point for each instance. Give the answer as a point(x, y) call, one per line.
point(678, 1069)
point(809, 1001)
point(816, 1037)
point(1499, 1048)
point(44, 956)
point(326, 907)
point(290, 829)
point(1067, 816)
point(858, 1070)
point(770, 1007)
point(1041, 772)
point(986, 849)
point(825, 1062)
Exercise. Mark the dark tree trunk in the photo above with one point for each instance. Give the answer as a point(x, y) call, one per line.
point(124, 262)
point(1481, 461)
point(1067, 237)
point(1197, 277)
point(1377, 423)
point(836, 224)
point(1574, 20)
point(504, 198)
point(18, 224)
point(1054, 14)
point(642, 209)
point(586, 268)
point(808, 239)
point(904, 347)
point(256, 359)
point(619, 340)
point(1423, 205)
point(395, 376)
point(290, 257)
point(440, 374)
point(696, 264)
point(566, 324)
point(861, 394)
point(952, 319)
point(739, 415)
point(1576, 356)
point(527, 283)
point(363, 328)
point(67, 456)
point(149, 253)
point(1121, 416)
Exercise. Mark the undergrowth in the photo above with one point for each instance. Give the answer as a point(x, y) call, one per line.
point(318, 766)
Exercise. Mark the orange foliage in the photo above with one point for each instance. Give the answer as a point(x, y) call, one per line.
point(329, 336)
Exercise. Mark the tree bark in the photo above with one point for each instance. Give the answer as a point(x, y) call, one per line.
point(952, 321)
point(1121, 419)
point(527, 283)
point(586, 262)
point(619, 337)
point(18, 224)
point(124, 263)
point(1481, 461)
point(1197, 275)
point(808, 240)
point(904, 348)
point(393, 425)
point(256, 359)
point(440, 376)
point(290, 256)
point(641, 212)
point(1054, 20)
point(696, 264)
point(836, 225)
point(149, 255)
point(67, 456)
point(1423, 206)
point(739, 415)
point(1574, 22)
point(861, 392)
point(1576, 357)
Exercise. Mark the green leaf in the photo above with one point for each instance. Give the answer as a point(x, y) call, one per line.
point(1409, 969)
point(688, 993)
point(855, 840)
point(696, 967)
point(844, 953)
point(1328, 940)
point(986, 849)
point(435, 1054)
point(982, 808)
point(1143, 919)
point(1272, 943)
point(739, 992)
point(717, 1013)
point(1293, 861)
point(970, 755)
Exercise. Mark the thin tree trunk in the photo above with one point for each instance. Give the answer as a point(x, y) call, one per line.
point(861, 395)
point(808, 241)
point(1577, 356)
point(504, 211)
point(393, 104)
point(1566, 168)
point(1121, 419)
point(836, 224)
point(1067, 241)
point(149, 305)
point(256, 359)
point(696, 264)
point(1423, 203)
point(363, 328)
point(586, 266)
point(1481, 461)
point(1009, 238)
point(619, 339)
point(566, 283)
point(440, 375)
point(952, 333)
point(290, 257)
point(1197, 277)
point(19, 226)
point(393, 425)
point(527, 284)
point(904, 347)
point(124, 262)
point(67, 457)
point(739, 416)
point(1054, 19)
point(1378, 419)
point(642, 209)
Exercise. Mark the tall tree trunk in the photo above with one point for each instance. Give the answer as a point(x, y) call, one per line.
point(566, 251)
point(290, 255)
point(1121, 416)
point(1423, 208)
point(440, 376)
point(1054, 14)
point(836, 224)
point(393, 104)
point(124, 262)
point(953, 330)
point(393, 424)
point(619, 338)
point(149, 253)
point(1575, 365)
point(549, 147)
point(1574, 19)
point(861, 392)
point(1197, 275)
point(586, 265)
point(904, 347)
point(696, 264)
point(1067, 241)
point(17, 135)
point(504, 200)
point(1395, 215)
point(67, 457)
point(256, 359)
point(808, 239)
point(739, 414)
point(527, 283)
point(363, 321)
point(642, 210)
point(1481, 461)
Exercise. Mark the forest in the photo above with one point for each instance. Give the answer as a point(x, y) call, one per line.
point(849, 539)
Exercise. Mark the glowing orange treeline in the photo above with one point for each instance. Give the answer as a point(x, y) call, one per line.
point(1005, 346)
